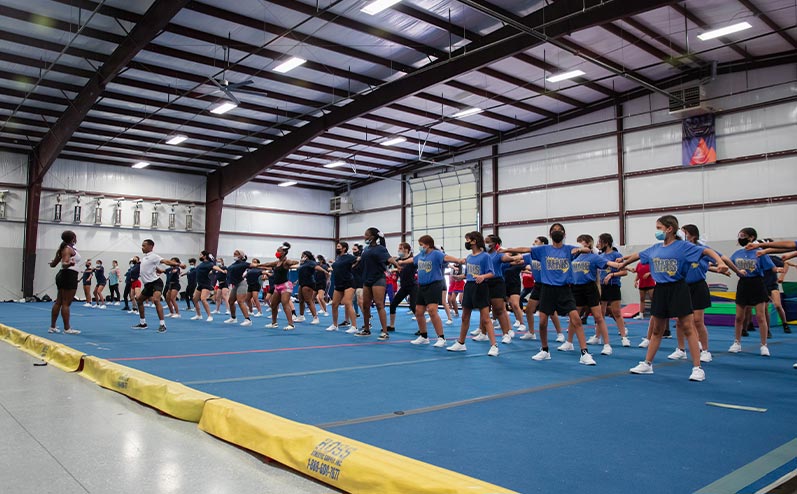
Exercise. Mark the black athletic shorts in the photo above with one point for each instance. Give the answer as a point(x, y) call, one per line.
point(512, 288)
point(204, 287)
point(475, 295)
point(174, 286)
point(271, 288)
point(430, 294)
point(66, 279)
point(322, 285)
point(751, 291)
point(610, 293)
point(252, 288)
point(557, 299)
point(497, 288)
point(342, 287)
point(671, 300)
point(535, 292)
point(773, 288)
point(150, 288)
point(586, 295)
point(223, 285)
point(700, 295)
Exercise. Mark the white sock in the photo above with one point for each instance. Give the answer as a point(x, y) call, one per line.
point(163, 323)
point(142, 321)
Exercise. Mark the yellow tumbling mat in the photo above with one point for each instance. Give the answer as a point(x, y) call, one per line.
point(344, 463)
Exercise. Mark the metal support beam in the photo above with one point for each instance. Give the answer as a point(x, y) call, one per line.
point(769, 22)
point(48, 149)
point(213, 224)
point(403, 209)
point(618, 115)
point(560, 18)
point(494, 162)
point(704, 25)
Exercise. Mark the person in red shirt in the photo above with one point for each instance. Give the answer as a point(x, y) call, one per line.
point(645, 284)
point(391, 280)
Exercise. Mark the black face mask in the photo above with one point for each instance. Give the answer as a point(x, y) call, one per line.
point(338, 252)
point(356, 254)
point(557, 236)
point(744, 241)
point(468, 245)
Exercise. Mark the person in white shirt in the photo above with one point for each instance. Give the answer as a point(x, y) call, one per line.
point(153, 285)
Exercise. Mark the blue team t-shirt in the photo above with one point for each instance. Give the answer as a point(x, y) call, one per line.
point(610, 256)
point(430, 266)
point(697, 270)
point(498, 264)
point(755, 266)
point(479, 264)
point(671, 263)
point(535, 265)
point(585, 268)
point(554, 263)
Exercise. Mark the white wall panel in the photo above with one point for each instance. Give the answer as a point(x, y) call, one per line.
point(652, 148)
point(354, 225)
point(590, 158)
point(763, 130)
point(273, 197)
point(576, 200)
point(266, 222)
point(123, 181)
point(683, 187)
point(13, 168)
point(377, 195)
point(523, 236)
point(264, 248)
point(12, 235)
point(582, 127)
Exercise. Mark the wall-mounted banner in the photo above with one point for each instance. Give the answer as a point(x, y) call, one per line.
point(699, 141)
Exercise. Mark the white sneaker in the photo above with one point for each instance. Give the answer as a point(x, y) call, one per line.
point(420, 341)
point(332, 327)
point(176, 316)
point(215, 312)
point(586, 359)
point(642, 368)
point(764, 351)
point(101, 306)
point(289, 327)
point(593, 340)
point(566, 347)
point(626, 342)
point(414, 318)
point(522, 327)
point(475, 332)
point(480, 337)
point(697, 374)
point(352, 330)
point(516, 325)
point(607, 350)
point(507, 339)
point(231, 320)
point(705, 356)
point(257, 314)
point(639, 316)
point(529, 336)
point(71, 331)
point(246, 322)
point(736, 347)
point(644, 343)
point(511, 333)
point(541, 355)
point(53, 330)
point(428, 319)
point(87, 305)
point(298, 319)
point(449, 322)
point(132, 311)
point(196, 318)
point(209, 319)
point(116, 303)
point(560, 337)
point(457, 347)
point(493, 352)
point(315, 321)
point(440, 343)
point(678, 354)
point(273, 325)
point(325, 313)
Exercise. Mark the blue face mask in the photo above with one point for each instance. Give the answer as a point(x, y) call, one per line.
point(660, 235)
point(367, 241)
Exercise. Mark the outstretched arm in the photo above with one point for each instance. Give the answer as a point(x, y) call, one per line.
point(789, 245)
point(517, 250)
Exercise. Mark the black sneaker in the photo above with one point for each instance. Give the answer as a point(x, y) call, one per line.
point(667, 333)
point(344, 324)
point(769, 334)
point(126, 309)
point(391, 329)
point(418, 333)
point(162, 329)
point(751, 328)
point(786, 329)
point(140, 326)
point(744, 332)
point(384, 336)
point(363, 332)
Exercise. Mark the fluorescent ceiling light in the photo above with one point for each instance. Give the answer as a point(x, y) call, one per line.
point(286, 184)
point(335, 164)
point(141, 164)
point(565, 75)
point(394, 141)
point(378, 6)
point(289, 64)
point(467, 113)
point(223, 107)
point(723, 31)
point(177, 139)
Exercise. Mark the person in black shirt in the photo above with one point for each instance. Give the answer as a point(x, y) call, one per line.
point(408, 287)
point(172, 288)
point(238, 288)
point(190, 277)
point(283, 288)
point(343, 280)
point(99, 275)
point(321, 284)
point(308, 268)
point(253, 277)
point(204, 285)
point(374, 260)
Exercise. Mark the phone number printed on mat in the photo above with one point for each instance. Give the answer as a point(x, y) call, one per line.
point(327, 458)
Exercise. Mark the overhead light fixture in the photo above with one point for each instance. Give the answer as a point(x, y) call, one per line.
point(223, 107)
point(394, 141)
point(177, 139)
point(287, 184)
point(565, 75)
point(724, 31)
point(335, 164)
point(378, 6)
point(141, 164)
point(289, 64)
point(467, 113)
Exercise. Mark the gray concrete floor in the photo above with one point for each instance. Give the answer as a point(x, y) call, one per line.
point(60, 433)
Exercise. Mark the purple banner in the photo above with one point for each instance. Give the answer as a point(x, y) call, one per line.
point(699, 141)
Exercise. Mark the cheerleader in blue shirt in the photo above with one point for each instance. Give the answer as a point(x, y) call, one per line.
point(669, 263)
